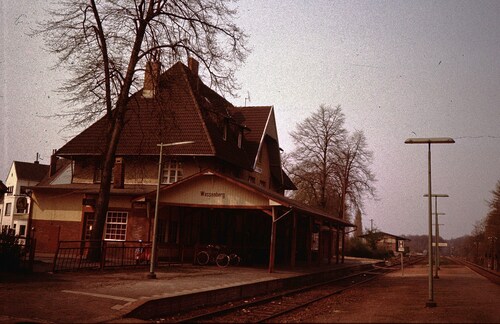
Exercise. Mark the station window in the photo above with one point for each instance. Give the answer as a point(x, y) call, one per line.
point(172, 172)
point(116, 226)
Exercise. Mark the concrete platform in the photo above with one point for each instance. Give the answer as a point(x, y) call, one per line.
point(109, 296)
point(461, 296)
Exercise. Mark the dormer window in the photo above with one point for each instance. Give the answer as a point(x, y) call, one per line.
point(98, 174)
point(224, 131)
point(240, 138)
point(172, 172)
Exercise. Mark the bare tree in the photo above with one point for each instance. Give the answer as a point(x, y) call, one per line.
point(330, 168)
point(317, 139)
point(105, 45)
point(358, 221)
point(492, 226)
point(352, 172)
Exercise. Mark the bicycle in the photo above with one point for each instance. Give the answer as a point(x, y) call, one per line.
point(214, 254)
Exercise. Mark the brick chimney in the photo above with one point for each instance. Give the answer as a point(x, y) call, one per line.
point(119, 173)
point(53, 163)
point(151, 79)
point(193, 65)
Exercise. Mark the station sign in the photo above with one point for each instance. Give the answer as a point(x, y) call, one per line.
point(401, 246)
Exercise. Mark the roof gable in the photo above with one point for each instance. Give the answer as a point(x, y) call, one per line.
point(248, 194)
point(30, 171)
point(384, 235)
point(256, 120)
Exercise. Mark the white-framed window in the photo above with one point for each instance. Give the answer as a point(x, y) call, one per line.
point(22, 230)
point(116, 226)
point(8, 207)
point(97, 174)
point(240, 138)
point(21, 205)
point(172, 172)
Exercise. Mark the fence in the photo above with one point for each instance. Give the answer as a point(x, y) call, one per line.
point(81, 255)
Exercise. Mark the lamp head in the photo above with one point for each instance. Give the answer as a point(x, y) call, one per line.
point(430, 140)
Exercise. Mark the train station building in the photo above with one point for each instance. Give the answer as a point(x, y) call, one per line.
point(221, 180)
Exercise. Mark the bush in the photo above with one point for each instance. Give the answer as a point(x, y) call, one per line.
point(382, 253)
point(10, 250)
point(358, 248)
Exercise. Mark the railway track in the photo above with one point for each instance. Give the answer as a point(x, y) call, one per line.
point(493, 276)
point(269, 307)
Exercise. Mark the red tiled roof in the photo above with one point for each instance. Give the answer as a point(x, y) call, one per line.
point(30, 171)
point(184, 110)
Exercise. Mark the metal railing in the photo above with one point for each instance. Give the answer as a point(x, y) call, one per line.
point(88, 255)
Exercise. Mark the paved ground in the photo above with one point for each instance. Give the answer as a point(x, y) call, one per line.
point(461, 295)
point(105, 296)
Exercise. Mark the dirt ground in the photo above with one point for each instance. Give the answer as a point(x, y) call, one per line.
point(461, 296)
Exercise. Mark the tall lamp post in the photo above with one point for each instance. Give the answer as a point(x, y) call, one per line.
point(429, 141)
point(437, 247)
point(436, 196)
point(152, 274)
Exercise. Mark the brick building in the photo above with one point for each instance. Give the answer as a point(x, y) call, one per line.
point(226, 186)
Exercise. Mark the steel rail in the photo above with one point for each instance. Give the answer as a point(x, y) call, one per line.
point(373, 273)
point(493, 276)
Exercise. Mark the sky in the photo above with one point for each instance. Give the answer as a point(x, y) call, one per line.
point(399, 69)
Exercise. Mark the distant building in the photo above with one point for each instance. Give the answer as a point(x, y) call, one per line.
point(389, 242)
point(16, 202)
point(3, 191)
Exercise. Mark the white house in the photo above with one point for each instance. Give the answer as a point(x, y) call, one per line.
point(16, 202)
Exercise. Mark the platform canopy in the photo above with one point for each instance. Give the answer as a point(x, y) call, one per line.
point(211, 189)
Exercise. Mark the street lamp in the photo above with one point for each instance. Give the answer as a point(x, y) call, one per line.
point(436, 196)
point(151, 274)
point(437, 247)
point(429, 141)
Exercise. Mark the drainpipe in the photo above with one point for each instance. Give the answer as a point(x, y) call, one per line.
point(272, 252)
point(29, 193)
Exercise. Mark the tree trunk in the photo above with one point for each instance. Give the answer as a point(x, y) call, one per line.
point(101, 209)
